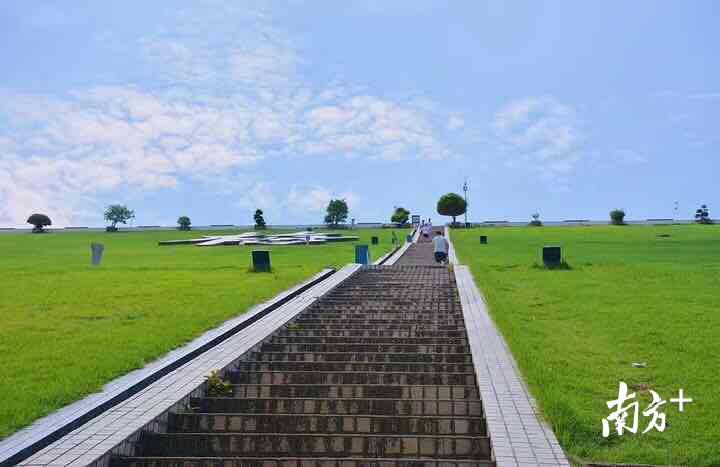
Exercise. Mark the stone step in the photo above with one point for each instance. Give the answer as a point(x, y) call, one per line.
point(361, 357)
point(438, 306)
point(321, 406)
point(400, 313)
point(379, 321)
point(415, 461)
point(350, 377)
point(420, 308)
point(389, 335)
point(314, 445)
point(350, 391)
point(298, 337)
point(370, 348)
point(399, 326)
point(428, 305)
point(391, 311)
point(377, 373)
point(352, 424)
point(355, 366)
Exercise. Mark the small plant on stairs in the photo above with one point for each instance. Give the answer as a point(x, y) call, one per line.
point(216, 386)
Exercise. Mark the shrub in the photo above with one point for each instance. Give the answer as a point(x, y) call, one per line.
point(183, 223)
point(216, 386)
point(39, 221)
point(617, 216)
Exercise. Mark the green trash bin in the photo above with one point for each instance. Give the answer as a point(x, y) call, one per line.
point(261, 260)
point(552, 256)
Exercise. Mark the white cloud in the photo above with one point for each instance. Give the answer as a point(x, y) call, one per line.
point(314, 199)
point(258, 195)
point(538, 133)
point(226, 92)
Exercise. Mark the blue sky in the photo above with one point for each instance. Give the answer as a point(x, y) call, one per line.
point(211, 109)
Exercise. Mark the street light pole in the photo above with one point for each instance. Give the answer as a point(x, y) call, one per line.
point(465, 190)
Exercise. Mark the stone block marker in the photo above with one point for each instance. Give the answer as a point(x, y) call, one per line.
point(97, 252)
point(261, 260)
point(483, 239)
point(552, 255)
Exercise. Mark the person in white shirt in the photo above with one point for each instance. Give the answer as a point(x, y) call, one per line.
point(426, 230)
point(440, 247)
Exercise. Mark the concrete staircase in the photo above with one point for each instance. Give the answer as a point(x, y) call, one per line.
point(376, 373)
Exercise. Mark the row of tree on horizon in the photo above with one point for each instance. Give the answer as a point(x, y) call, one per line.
point(450, 204)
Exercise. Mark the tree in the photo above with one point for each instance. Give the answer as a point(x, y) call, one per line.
point(118, 213)
point(451, 204)
point(617, 216)
point(536, 220)
point(39, 221)
point(259, 220)
point(184, 223)
point(337, 212)
point(702, 215)
point(400, 215)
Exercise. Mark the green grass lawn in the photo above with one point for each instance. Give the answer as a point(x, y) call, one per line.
point(67, 328)
point(631, 296)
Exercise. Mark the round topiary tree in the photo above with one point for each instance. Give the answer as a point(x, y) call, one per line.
point(400, 215)
point(183, 223)
point(617, 216)
point(39, 221)
point(451, 204)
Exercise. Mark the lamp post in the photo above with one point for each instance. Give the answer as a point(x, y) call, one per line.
point(465, 190)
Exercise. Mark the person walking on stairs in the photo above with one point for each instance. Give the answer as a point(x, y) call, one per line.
point(440, 247)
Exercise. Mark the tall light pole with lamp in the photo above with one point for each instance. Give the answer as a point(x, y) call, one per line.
point(465, 190)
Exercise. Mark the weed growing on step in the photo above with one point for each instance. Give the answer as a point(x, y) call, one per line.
point(216, 386)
